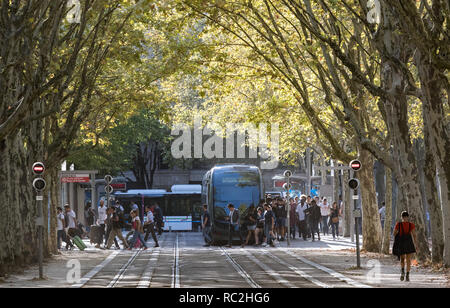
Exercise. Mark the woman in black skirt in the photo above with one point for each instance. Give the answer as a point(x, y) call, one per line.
point(404, 244)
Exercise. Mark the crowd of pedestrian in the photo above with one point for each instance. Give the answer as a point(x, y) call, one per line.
point(309, 216)
point(105, 226)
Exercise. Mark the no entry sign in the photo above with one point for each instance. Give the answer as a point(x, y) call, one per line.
point(355, 165)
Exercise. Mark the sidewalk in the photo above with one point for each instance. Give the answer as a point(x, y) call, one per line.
point(340, 255)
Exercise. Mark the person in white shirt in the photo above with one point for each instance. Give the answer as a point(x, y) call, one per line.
point(325, 212)
point(149, 225)
point(60, 233)
point(302, 225)
point(71, 225)
point(102, 216)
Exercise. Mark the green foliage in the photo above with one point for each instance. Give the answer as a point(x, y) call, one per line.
point(118, 151)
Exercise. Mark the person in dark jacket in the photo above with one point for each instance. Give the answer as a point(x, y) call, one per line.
point(234, 224)
point(89, 216)
point(159, 221)
point(314, 216)
point(292, 218)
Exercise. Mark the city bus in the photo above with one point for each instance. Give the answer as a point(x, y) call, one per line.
point(241, 185)
point(181, 207)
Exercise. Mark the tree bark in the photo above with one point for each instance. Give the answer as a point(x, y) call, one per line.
point(388, 217)
point(396, 84)
point(445, 205)
point(371, 227)
point(437, 235)
point(437, 140)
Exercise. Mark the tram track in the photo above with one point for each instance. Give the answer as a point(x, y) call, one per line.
point(251, 282)
point(176, 261)
point(311, 273)
point(176, 265)
point(100, 275)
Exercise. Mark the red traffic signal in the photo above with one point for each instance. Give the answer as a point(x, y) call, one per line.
point(355, 165)
point(38, 168)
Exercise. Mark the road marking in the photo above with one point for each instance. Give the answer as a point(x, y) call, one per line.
point(175, 267)
point(121, 272)
point(95, 270)
point(297, 271)
point(327, 270)
point(268, 270)
point(240, 270)
point(146, 277)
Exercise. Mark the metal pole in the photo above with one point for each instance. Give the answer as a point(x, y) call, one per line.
point(288, 215)
point(358, 258)
point(93, 192)
point(40, 222)
point(308, 172)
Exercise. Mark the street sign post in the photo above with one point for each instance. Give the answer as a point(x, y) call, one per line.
point(353, 183)
point(39, 184)
point(108, 188)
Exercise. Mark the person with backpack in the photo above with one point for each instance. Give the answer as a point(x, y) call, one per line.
point(314, 216)
point(70, 224)
point(109, 226)
point(116, 229)
point(89, 216)
point(404, 248)
point(149, 225)
point(159, 219)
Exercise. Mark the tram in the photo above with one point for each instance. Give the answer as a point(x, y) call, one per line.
point(241, 185)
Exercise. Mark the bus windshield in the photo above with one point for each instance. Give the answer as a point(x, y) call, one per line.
point(241, 188)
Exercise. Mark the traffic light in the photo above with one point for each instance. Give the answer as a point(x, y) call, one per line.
point(39, 184)
point(353, 183)
point(355, 165)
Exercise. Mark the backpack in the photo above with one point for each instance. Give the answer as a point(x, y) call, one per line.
point(66, 220)
point(121, 223)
